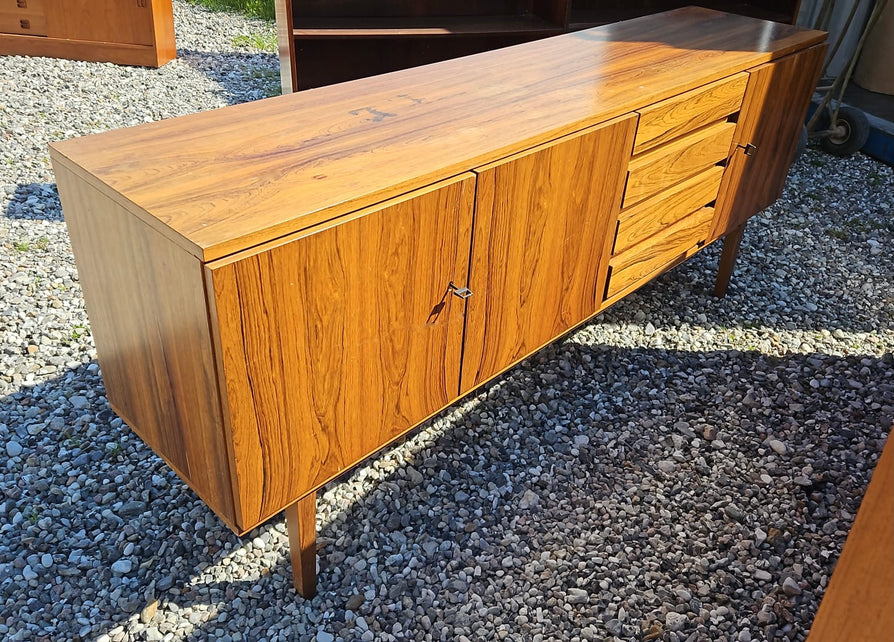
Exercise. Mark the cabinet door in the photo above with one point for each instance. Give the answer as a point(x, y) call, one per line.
point(771, 118)
point(124, 21)
point(539, 254)
point(334, 344)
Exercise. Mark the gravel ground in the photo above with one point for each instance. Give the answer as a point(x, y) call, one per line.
point(683, 468)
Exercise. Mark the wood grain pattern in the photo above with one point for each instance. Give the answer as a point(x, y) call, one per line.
point(301, 520)
point(668, 119)
point(100, 31)
point(146, 303)
point(772, 114)
point(649, 217)
point(859, 603)
point(677, 160)
point(222, 180)
point(642, 263)
point(337, 342)
point(538, 219)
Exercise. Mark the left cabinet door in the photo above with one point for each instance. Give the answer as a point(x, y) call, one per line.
point(335, 343)
point(541, 244)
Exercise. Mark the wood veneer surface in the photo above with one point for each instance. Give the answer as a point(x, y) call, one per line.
point(223, 180)
point(859, 603)
point(534, 271)
point(338, 342)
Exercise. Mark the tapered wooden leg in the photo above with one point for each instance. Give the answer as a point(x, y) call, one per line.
point(728, 260)
point(301, 520)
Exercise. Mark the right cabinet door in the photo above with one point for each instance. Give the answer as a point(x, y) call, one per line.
point(538, 251)
point(772, 115)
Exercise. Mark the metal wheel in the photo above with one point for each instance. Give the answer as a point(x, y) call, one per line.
point(848, 134)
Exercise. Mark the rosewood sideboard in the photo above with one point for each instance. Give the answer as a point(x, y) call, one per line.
point(279, 289)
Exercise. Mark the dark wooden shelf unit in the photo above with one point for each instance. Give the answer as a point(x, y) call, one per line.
point(325, 42)
point(322, 43)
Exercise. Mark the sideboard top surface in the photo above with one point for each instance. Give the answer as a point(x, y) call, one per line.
point(225, 180)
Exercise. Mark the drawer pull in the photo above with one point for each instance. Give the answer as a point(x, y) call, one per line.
point(749, 149)
point(462, 293)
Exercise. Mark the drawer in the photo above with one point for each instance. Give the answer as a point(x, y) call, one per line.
point(637, 223)
point(664, 121)
point(658, 169)
point(23, 17)
point(662, 251)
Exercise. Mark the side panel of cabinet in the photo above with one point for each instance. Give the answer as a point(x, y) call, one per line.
point(334, 344)
point(538, 255)
point(772, 114)
point(149, 320)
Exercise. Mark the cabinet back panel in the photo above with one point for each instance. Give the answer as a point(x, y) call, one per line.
point(404, 8)
point(348, 59)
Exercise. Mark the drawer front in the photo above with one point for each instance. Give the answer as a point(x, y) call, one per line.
point(23, 17)
point(653, 171)
point(638, 265)
point(664, 121)
point(650, 217)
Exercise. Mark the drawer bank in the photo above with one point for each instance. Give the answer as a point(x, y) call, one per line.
point(279, 289)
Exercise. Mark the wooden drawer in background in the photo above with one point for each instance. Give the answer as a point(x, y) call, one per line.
point(23, 17)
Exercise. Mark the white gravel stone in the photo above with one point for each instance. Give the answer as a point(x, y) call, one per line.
point(675, 621)
point(122, 566)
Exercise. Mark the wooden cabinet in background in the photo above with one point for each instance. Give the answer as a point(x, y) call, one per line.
point(322, 42)
point(279, 289)
point(130, 32)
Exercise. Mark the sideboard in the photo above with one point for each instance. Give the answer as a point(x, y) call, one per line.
point(279, 289)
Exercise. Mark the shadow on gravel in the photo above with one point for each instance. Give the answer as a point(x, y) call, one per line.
point(34, 201)
point(244, 76)
point(612, 471)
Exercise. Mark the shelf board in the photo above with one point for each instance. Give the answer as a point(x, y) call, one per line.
point(396, 27)
point(587, 17)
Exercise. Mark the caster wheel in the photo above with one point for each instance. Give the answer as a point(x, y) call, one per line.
point(848, 134)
